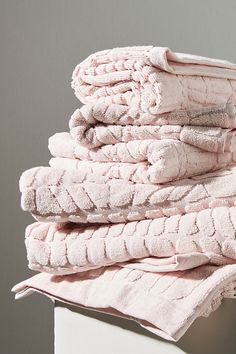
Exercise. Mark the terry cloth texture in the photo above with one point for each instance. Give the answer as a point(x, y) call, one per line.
point(67, 195)
point(164, 303)
point(163, 244)
point(142, 161)
point(136, 215)
point(154, 79)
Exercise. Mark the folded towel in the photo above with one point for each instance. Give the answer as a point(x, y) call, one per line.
point(96, 125)
point(212, 139)
point(154, 79)
point(162, 254)
point(70, 195)
point(177, 242)
point(223, 116)
point(164, 303)
point(167, 170)
point(145, 161)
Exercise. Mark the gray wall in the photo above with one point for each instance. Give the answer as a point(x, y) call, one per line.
point(40, 43)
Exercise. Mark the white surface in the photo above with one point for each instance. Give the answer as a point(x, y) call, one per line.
point(81, 331)
point(76, 333)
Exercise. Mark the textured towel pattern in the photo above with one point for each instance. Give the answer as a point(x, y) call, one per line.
point(166, 170)
point(136, 215)
point(145, 161)
point(164, 303)
point(101, 113)
point(87, 130)
point(143, 78)
point(207, 236)
point(214, 139)
point(66, 195)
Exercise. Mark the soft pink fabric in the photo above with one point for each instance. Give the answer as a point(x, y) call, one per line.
point(166, 169)
point(154, 79)
point(99, 124)
point(100, 113)
point(210, 139)
point(173, 243)
point(71, 195)
point(147, 161)
point(164, 303)
point(148, 174)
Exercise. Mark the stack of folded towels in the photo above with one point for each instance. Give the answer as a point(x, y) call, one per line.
point(136, 215)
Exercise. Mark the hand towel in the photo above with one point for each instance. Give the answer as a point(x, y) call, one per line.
point(167, 170)
point(98, 112)
point(96, 125)
point(154, 79)
point(164, 244)
point(212, 139)
point(66, 195)
point(145, 161)
point(164, 303)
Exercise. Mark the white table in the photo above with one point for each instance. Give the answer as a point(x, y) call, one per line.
point(82, 331)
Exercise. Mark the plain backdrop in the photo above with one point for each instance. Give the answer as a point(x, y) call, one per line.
point(41, 41)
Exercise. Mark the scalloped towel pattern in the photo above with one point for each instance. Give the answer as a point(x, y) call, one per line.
point(71, 195)
point(154, 79)
point(145, 161)
point(163, 244)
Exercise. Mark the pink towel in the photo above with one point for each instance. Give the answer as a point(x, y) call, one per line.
point(107, 114)
point(137, 213)
point(146, 161)
point(167, 170)
point(100, 124)
point(154, 79)
point(71, 195)
point(212, 139)
point(164, 303)
point(164, 244)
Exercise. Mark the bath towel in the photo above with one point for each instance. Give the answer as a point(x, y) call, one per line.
point(168, 168)
point(136, 215)
point(165, 244)
point(212, 139)
point(164, 303)
point(154, 79)
point(109, 114)
point(145, 161)
point(52, 194)
point(100, 124)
